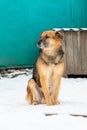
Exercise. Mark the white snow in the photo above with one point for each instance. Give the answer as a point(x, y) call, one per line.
point(17, 114)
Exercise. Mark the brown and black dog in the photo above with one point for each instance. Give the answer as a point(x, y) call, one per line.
point(43, 87)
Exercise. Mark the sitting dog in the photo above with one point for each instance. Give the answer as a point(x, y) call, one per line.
point(43, 87)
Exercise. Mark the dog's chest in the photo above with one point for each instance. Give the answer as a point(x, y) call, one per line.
point(51, 75)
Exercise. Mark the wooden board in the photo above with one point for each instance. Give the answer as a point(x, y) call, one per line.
point(83, 39)
point(69, 52)
point(75, 52)
point(75, 46)
point(64, 49)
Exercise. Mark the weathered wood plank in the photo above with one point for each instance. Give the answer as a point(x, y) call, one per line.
point(75, 46)
point(69, 52)
point(83, 39)
point(75, 55)
point(82, 51)
point(79, 60)
point(64, 49)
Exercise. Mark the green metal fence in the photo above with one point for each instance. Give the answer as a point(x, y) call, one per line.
point(22, 21)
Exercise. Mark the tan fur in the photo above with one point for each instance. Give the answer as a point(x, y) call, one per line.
point(50, 68)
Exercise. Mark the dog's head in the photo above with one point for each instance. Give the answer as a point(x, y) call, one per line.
point(50, 39)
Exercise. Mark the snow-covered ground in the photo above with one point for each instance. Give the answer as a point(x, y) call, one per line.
point(17, 114)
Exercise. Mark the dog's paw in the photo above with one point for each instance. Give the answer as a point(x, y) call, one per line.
point(49, 103)
point(55, 102)
point(35, 103)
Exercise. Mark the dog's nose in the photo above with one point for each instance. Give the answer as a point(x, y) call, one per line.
point(39, 42)
point(42, 44)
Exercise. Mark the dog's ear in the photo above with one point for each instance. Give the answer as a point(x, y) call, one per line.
point(59, 35)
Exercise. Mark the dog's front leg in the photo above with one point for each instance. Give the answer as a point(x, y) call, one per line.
point(45, 89)
point(54, 96)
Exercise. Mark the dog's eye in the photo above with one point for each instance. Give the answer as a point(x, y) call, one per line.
point(46, 36)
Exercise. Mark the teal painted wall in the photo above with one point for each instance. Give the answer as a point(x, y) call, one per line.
point(22, 21)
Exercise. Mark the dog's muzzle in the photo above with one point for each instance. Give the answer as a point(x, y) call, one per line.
point(42, 44)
